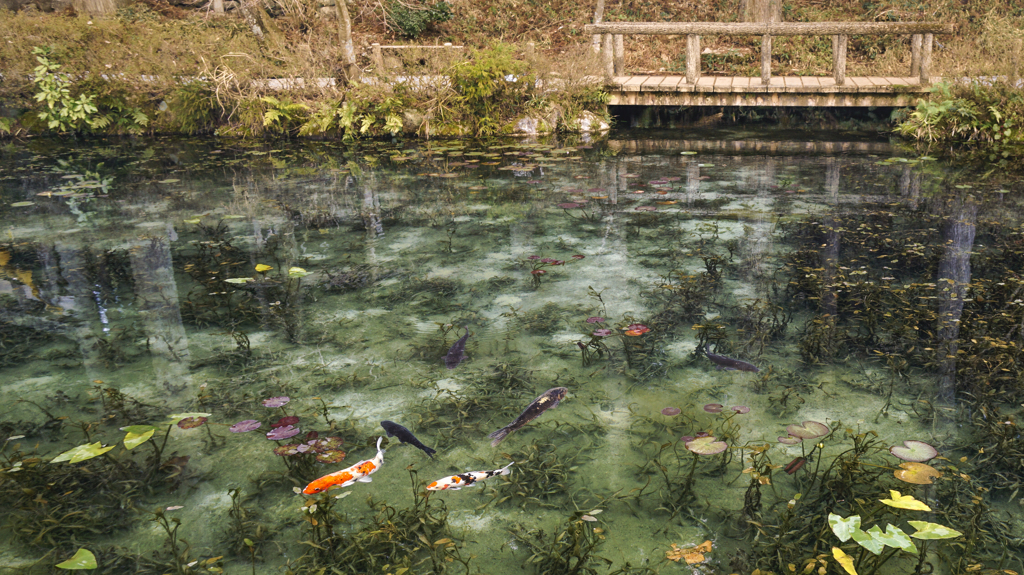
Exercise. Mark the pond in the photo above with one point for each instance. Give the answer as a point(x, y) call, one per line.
point(737, 351)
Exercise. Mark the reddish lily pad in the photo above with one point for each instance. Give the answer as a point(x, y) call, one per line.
point(912, 450)
point(286, 420)
point(671, 411)
point(191, 422)
point(789, 440)
point(276, 401)
point(283, 433)
point(244, 426)
point(713, 408)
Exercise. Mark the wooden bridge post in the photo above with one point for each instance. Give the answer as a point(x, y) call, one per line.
point(766, 59)
point(915, 54)
point(926, 59)
point(692, 58)
point(608, 56)
point(839, 58)
point(619, 61)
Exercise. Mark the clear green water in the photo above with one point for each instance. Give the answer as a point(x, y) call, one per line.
point(874, 294)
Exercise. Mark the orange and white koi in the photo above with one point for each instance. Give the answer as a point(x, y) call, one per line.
point(456, 482)
point(359, 472)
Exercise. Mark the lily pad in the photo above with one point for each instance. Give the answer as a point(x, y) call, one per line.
point(176, 417)
point(912, 450)
point(83, 559)
point(239, 280)
point(294, 272)
point(706, 445)
point(916, 473)
point(82, 453)
point(807, 430)
point(22, 204)
point(263, 268)
point(926, 530)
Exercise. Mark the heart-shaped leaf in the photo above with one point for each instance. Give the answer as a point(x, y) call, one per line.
point(83, 559)
point(904, 502)
point(895, 537)
point(843, 559)
point(913, 450)
point(926, 530)
point(82, 453)
point(843, 527)
point(916, 473)
point(866, 540)
point(136, 435)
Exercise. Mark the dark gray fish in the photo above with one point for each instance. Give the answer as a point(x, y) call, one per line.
point(456, 353)
point(548, 400)
point(728, 363)
point(405, 436)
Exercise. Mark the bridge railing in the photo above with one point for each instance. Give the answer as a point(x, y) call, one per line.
point(922, 34)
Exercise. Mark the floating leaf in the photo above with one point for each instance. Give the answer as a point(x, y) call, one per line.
point(905, 502)
point(294, 272)
point(263, 268)
point(193, 221)
point(176, 417)
point(807, 430)
point(926, 530)
point(843, 527)
point(239, 280)
point(843, 559)
point(83, 559)
point(916, 473)
point(168, 181)
point(865, 540)
point(136, 435)
point(82, 453)
point(706, 445)
point(22, 204)
point(913, 450)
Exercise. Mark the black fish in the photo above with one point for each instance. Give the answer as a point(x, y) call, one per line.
point(548, 400)
point(405, 436)
point(722, 362)
point(456, 353)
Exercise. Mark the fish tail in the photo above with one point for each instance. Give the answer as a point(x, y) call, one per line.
point(499, 435)
point(505, 470)
point(379, 439)
point(429, 451)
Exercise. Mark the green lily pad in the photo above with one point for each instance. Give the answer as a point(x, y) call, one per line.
point(168, 181)
point(176, 417)
point(82, 453)
point(83, 559)
point(843, 527)
point(22, 204)
point(136, 435)
point(239, 280)
point(688, 153)
point(193, 221)
point(294, 272)
point(926, 530)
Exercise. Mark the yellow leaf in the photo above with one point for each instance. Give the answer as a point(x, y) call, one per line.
point(263, 268)
point(845, 560)
point(904, 502)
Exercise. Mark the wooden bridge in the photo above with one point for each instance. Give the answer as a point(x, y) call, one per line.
point(837, 90)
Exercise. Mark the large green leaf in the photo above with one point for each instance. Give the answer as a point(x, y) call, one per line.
point(82, 453)
point(176, 417)
point(926, 530)
point(83, 559)
point(894, 537)
point(843, 527)
point(136, 435)
point(867, 540)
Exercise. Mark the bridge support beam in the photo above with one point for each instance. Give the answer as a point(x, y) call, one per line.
point(692, 58)
point(839, 58)
point(766, 59)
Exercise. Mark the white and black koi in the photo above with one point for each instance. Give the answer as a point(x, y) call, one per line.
point(456, 482)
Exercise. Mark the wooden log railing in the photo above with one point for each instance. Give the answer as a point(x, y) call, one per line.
point(922, 34)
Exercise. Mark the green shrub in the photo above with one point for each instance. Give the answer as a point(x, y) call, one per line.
point(491, 85)
point(411, 22)
point(62, 112)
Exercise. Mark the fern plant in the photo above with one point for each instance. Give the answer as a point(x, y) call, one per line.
point(284, 116)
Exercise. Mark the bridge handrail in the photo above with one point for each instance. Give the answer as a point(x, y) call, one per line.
point(921, 41)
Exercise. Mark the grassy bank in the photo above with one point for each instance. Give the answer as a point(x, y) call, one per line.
point(157, 68)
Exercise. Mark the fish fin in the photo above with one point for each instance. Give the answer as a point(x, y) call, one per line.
point(505, 470)
point(365, 479)
point(498, 436)
point(453, 489)
point(347, 483)
point(379, 439)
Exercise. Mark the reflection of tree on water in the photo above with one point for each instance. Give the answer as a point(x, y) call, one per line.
point(953, 279)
